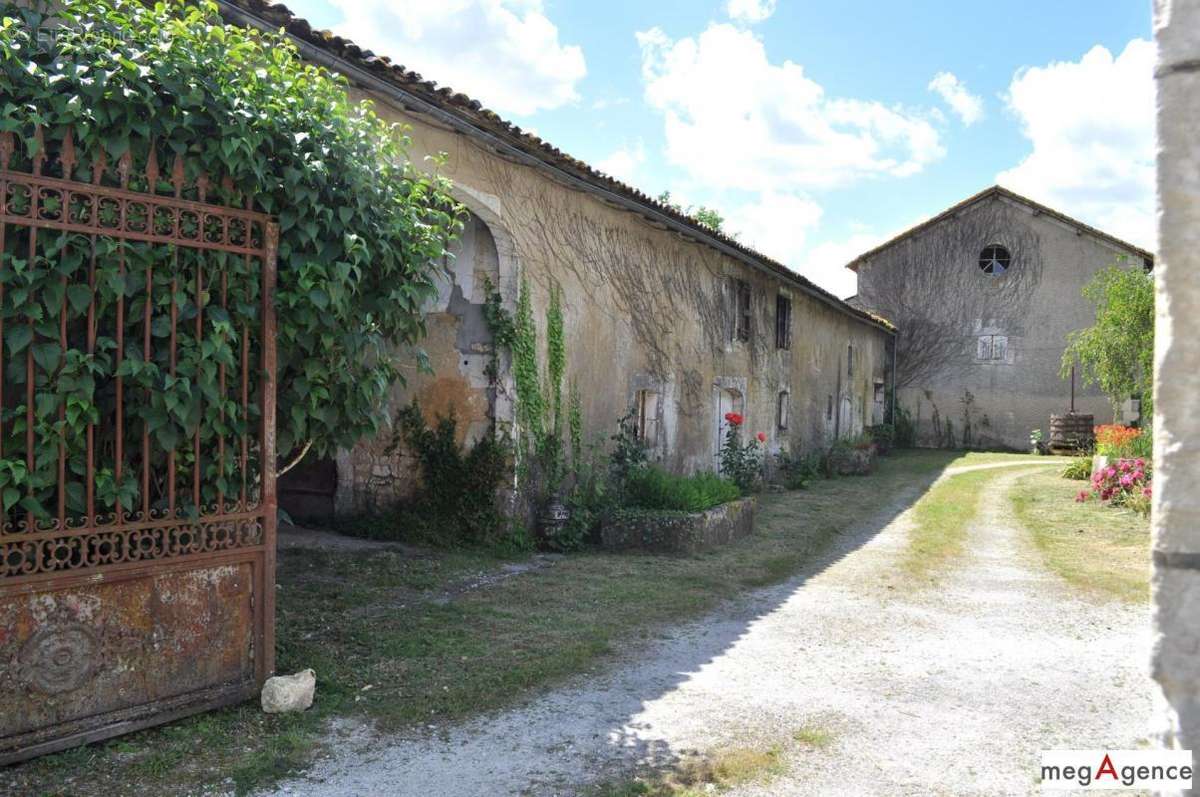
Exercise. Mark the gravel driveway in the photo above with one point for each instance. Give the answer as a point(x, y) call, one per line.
point(949, 689)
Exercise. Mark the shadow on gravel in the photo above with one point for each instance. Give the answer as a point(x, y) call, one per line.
point(587, 731)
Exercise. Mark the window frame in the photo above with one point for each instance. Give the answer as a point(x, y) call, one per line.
point(1005, 263)
point(647, 422)
point(782, 410)
point(742, 314)
point(783, 321)
point(994, 353)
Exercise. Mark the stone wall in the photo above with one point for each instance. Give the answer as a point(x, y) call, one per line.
point(1176, 511)
point(931, 286)
point(679, 532)
point(645, 308)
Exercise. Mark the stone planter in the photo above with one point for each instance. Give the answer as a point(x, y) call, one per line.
point(552, 519)
point(678, 532)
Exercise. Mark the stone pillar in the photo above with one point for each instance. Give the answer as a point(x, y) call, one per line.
point(1176, 517)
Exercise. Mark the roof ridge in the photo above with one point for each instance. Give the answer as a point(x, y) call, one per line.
point(996, 190)
point(474, 113)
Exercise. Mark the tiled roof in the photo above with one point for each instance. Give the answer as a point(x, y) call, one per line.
point(999, 191)
point(473, 114)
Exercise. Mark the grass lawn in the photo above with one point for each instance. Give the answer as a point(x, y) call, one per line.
point(1102, 550)
point(395, 643)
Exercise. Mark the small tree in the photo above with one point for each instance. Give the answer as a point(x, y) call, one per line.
point(707, 216)
point(1117, 352)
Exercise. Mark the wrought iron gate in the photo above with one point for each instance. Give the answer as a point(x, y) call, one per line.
point(137, 441)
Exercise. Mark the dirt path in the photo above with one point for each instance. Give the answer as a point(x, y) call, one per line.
point(948, 690)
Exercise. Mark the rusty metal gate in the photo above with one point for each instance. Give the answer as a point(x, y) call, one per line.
point(137, 441)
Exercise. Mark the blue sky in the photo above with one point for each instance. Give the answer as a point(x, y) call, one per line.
point(816, 129)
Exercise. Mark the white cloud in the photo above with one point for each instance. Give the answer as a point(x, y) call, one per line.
point(750, 10)
point(967, 106)
point(825, 263)
point(1091, 123)
point(624, 162)
point(504, 53)
point(735, 120)
point(775, 224)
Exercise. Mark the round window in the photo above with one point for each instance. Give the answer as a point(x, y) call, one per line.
point(994, 259)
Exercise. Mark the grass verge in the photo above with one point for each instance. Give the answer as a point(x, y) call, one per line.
point(1102, 550)
point(396, 642)
point(942, 518)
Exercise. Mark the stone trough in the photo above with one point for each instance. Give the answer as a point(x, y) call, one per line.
point(679, 532)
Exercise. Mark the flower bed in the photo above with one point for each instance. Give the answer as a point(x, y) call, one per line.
point(1124, 483)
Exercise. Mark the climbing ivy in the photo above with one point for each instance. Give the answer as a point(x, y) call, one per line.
point(575, 425)
point(362, 231)
point(530, 406)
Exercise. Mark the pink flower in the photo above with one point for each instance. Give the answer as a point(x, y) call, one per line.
point(762, 437)
point(1083, 496)
point(1139, 475)
point(1125, 465)
point(1141, 463)
point(1109, 472)
point(1126, 480)
point(1146, 491)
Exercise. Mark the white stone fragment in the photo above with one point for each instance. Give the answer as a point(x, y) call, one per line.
point(286, 693)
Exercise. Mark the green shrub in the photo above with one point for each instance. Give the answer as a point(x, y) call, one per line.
point(629, 455)
point(654, 488)
point(741, 462)
point(1079, 469)
point(798, 470)
point(906, 430)
point(883, 435)
point(363, 227)
point(456, 503)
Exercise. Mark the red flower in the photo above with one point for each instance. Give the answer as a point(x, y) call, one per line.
point(734, 418)
point(762, 437)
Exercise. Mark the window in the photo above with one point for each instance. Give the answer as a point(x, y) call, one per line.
point(783, 322)
point(741, 294)
point(850, 360)
point(829, 410)
point(647, 416)
point(782, 413)
point(994, 260)
point(992, 347)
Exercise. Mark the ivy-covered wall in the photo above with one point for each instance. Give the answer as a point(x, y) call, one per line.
point(641, 309)
point(931, 286)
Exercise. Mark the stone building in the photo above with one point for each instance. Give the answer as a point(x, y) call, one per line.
point(662, 315)
point(984, 296)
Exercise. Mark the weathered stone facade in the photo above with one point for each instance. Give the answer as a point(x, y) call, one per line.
point(979, 354)
point(1176, 511)
point(652, 301)
point(644, 310)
